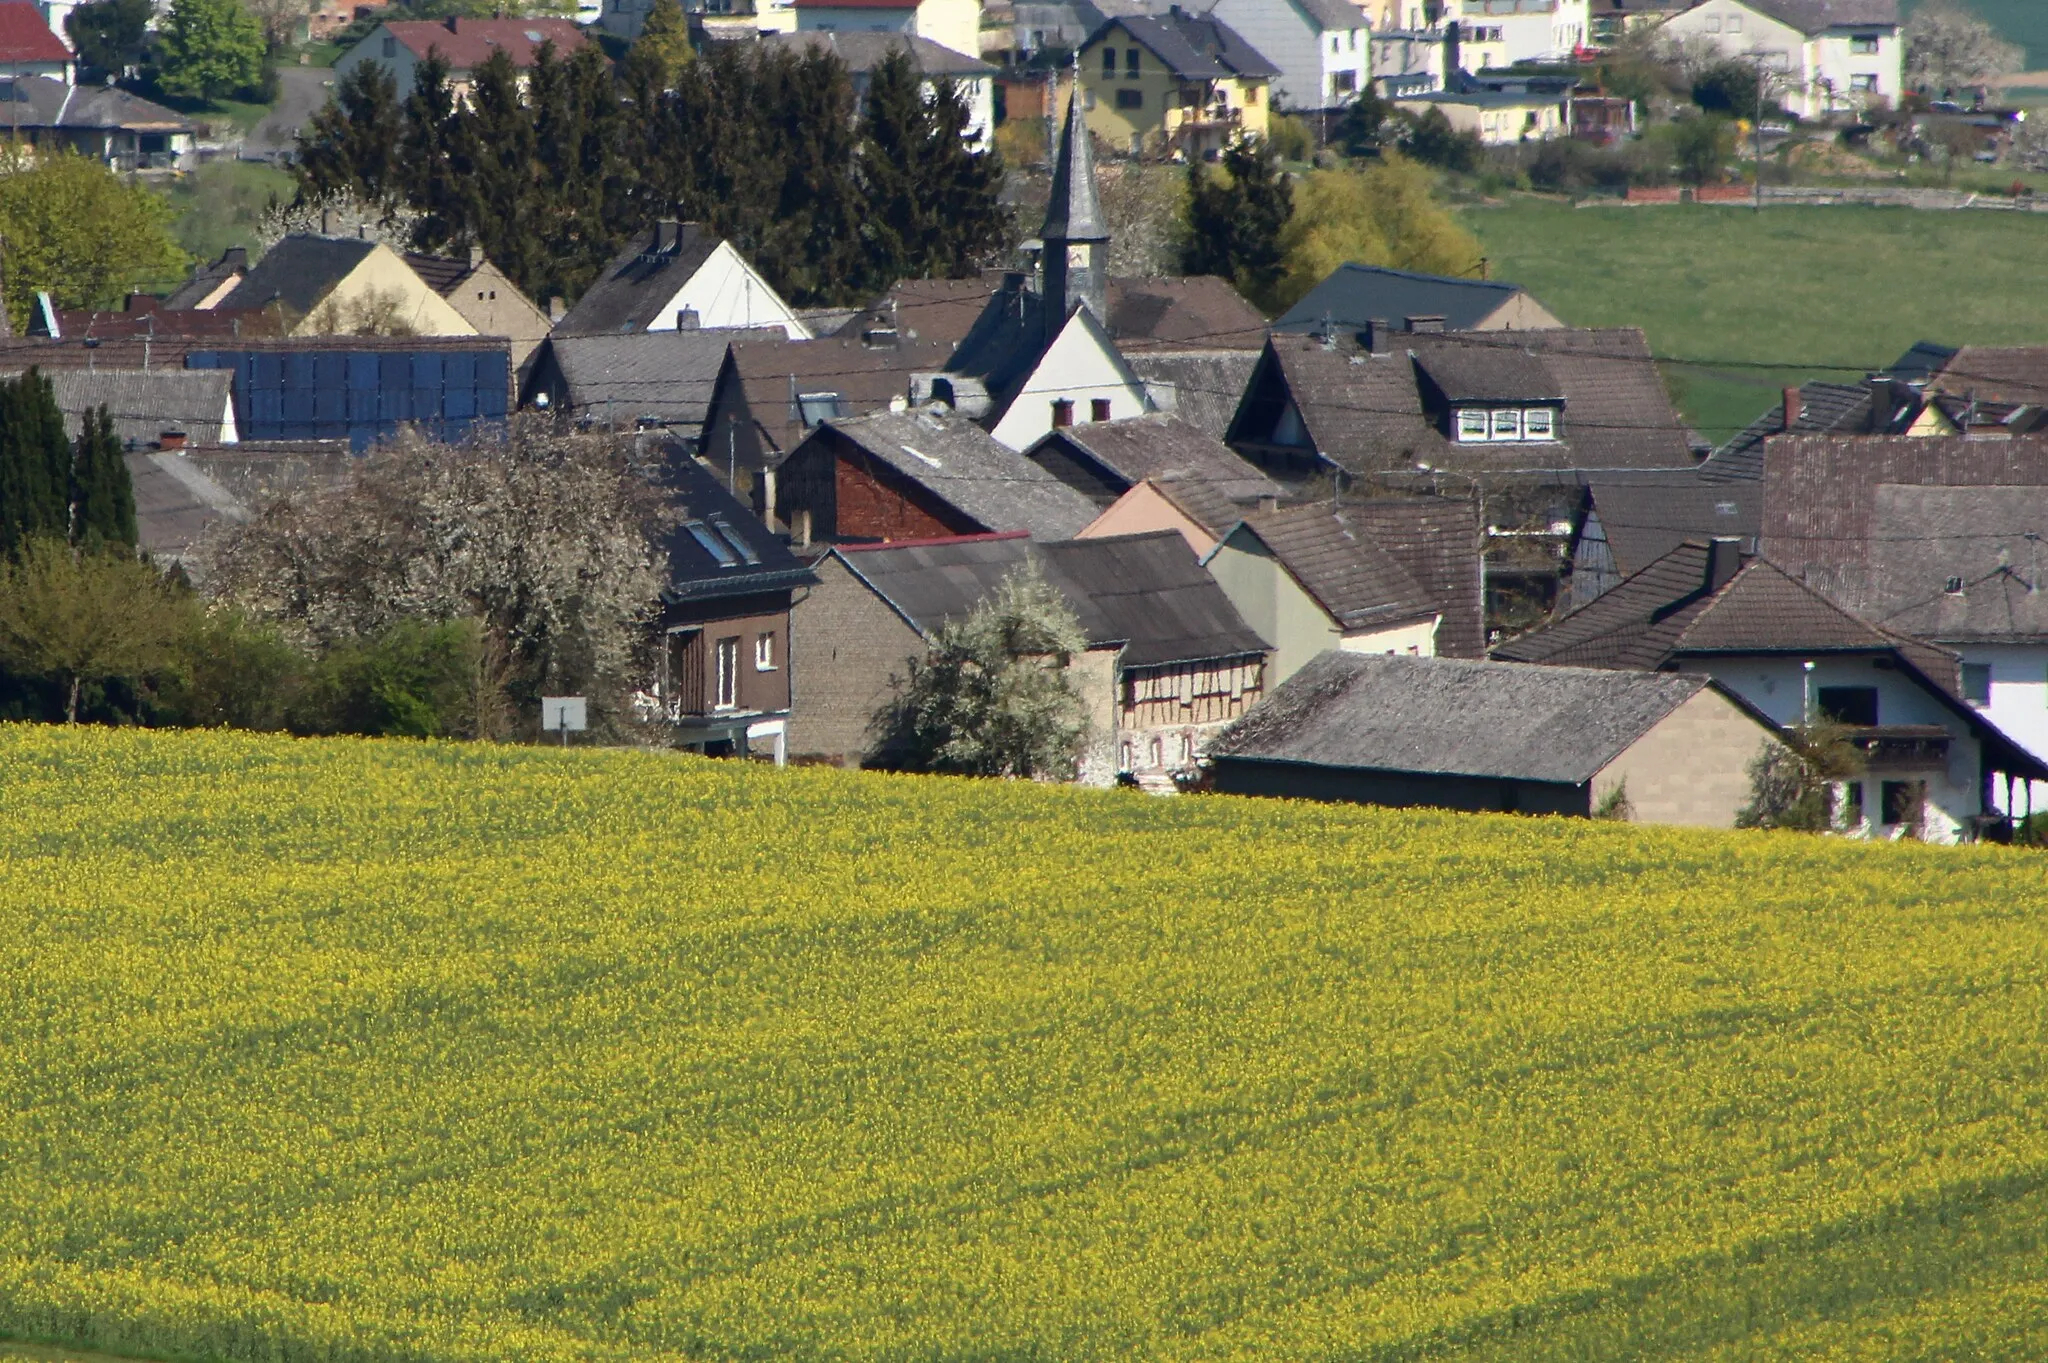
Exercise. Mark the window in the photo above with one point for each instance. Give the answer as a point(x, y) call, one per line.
point(1128, 98)
point(1098, 409)
point(1902, 801)
point(1131, 62)
point(1539, 423)
point(1977, 683)
point(1109, 61)
point(1954, 586)
point(764, 652)
point(390, 49)
point(1735, 23)
point(1251, 97)
point(728, 673)
point(1867, 84)
point(1335, 44)
point(1853, 806)
point(714, 545)
point(1472, 424)
point(1062, 413)
point(1855, 706)
point(1353, 35)
point(1864, 45)
point(1712, 23)
point(735, 542)
point(816, 407)
point(1507, 425)
point(1344, 83)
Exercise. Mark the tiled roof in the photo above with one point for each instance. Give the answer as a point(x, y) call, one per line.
point(1194, 48)
point(1987, 541)
point(1336, 561)
point(41, 102)
point(968, 468)
point(1182, 312)
point(25, 36)
point(469, 43)
point(1814, 16)
point(1458, 717)
point(717, 547)
point(1200, 503)
point(1162, 446)
point(1467, 374)
point(640, 281)
point(665, 375)
point(442, 274)
point(1353, 295)
point(1645, 515)
point(299, 271)
point(1994, 374)
point(863, 52)
point(773, 373)
point(1206, 385)
point(925, 309)
point(1822, 407)
point(1438, 541)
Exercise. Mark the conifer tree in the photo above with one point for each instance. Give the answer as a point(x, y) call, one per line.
point(931, 200)
point(428, 149)
point(350, 148)
point(102, 497)
point(664, 41)
point(1235, 221)
point(493, 155)
point(35, 462)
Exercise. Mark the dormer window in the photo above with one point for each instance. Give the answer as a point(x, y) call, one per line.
point(1504, 425)
point(1507, 423)
point(1472, 424)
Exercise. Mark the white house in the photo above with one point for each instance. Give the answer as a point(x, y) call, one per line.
point(726, 19)
point(1495, 34)
point(1407, 61)
point(1831, 56)
point(949, 23)
point(1498, 118)
point(863, 52)
point(400, 45)
point(1322, 47)
point(678, 276)
point(31, 41)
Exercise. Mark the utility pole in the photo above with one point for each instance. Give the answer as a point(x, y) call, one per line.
point(1757, 131)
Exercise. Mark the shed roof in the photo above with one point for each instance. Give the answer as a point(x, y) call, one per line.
point(299, 271)
point(1352, 295)
point(1455, 717)
point(968, 468)
point(1162, 446)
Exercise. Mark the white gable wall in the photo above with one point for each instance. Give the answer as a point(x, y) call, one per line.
point(2019, 706)
point(726, 292)
point(1285, 35)
point(1077, 366)
point(1820, 72)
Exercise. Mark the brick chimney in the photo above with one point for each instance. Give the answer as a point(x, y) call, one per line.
point(1795, 407)
point(170, 440)
point(1724, 560)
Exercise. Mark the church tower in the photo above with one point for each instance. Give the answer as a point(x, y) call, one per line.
point(1076, 237)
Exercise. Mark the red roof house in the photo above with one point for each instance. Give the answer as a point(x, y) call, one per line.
point(28, 47)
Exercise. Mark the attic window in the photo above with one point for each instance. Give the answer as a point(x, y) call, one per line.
point(714, 545)
point(1954, 586)
point(533, 36)
point(1724, 508)
point(739, 545)
point(817, 407)
point(1505, 425)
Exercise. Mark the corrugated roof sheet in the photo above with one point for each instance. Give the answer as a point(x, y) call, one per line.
point(144, 403)
point(1455, 717)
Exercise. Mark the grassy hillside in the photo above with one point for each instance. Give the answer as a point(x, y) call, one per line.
point(2021, 21)
point(351, 1051)
point(1757, 301)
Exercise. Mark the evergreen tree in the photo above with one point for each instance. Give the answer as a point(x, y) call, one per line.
point(428, 149)
point(494, 168)
point(1235, 220)
point(664, 42)
point(101, 496)
point(108, 36)
point(931, 205)
point(350, 148)
point(583, 183)
point(35, 462)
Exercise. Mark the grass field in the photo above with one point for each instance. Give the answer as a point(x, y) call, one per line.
point(347, 1051)
point(221, 204)
point(2020, 21)
point(1750, 302)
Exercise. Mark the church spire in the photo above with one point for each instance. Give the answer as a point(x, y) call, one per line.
point(1075, 234)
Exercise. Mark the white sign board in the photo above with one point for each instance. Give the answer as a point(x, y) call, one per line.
point(561, 714)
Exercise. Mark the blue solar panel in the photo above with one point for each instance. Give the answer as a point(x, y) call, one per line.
point(361, 395)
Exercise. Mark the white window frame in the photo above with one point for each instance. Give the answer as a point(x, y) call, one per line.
point(764, 652)
point(1734, 23)
point(1863, 83)
point(1473, 426)
point(1506, 423)
point(1546, 417)
point(726, 696)
point(1865, 44)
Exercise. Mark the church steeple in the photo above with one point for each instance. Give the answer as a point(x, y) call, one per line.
point(1075, 234)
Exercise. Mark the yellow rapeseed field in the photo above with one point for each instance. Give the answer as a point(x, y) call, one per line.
point(337, 1051)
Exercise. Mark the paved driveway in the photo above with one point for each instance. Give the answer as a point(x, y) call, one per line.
point(302, 90)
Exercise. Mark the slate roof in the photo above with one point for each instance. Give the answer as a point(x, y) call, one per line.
point(640, 280)
point(1193, 47)
point(968, 468)
point(1814, 16)
point(175, 503)
point(865, 378)
point(144, 403)
point(1455, 717)
point(1645, 515)
point(1352, 295)
point(1368, 413)
point(1182, 312)
point(1162, 446)
point(1336, 561)
point(1207, 385)
point(1666, 611)
point(746, 558)
point(469, 43)
point(1144, 592)
point(1822, 407)
point(204, 279)
point(25, 36)
point(863, 52)
point(667, 376)
point(299, 271)
point(1463, 374)
point(42, 102)
point(1073, 211)
point(925, 309)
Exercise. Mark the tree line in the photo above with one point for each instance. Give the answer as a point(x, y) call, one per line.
point(554, 170)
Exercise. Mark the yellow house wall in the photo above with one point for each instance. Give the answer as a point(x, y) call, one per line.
point(494, 306)
point(382, 275)
point(1692, 767)
point(1520, 313)
point(1496, 125)
point(1159, 117)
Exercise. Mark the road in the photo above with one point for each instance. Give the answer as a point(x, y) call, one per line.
point(301, 92)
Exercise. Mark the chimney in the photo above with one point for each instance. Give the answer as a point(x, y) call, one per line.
point(1377, 332)
point(1795, 407)
point(476, 257)
point(668, 234)
point(879, 338)
point(688, 319)
point(170, 440)
point(1427, 322)
point(1724, 560)
point(140, 304)
point(235, 258)
point(1452, 56)
point(449, 22)
point(558, 308)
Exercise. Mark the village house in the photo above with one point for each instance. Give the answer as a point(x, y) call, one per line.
point(953, 24)
point(1494, 35)
point(632, 380)
point(32, 44)
point(339, 286)
point(486, 298)
point(1168, 663)
point(102, 123)
point(1498, 118)
point(159, 408)
point(676, 276)
point(1830, 57)
point(1194, 510)
point(1353, 297)
point(399, 46)
point(1174, 82)
point(1929, 760)
point(1632, 518)
point(1104, 460)
point(1490, 736)
point(724, 685)
point(917, 475)
point(208, 285)
point(1323, 48)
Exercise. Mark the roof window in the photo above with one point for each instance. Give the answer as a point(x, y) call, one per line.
point(711, 544)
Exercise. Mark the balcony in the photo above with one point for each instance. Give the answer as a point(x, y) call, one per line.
point(1893, 748)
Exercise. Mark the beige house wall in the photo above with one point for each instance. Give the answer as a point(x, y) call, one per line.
point(1277, 607)
point(1520, 313)
point(846, 650)
point(1692, 767)
point(383, 295)
point(493, 304)
point(1143, 510)
point(1413, 639)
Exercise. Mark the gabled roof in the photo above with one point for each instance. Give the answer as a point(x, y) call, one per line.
point(25, 36)
point(1645, 515)
point(1353, 295)
point(1161, 446)
point(1371, 413)
point(41, 102)
point(1182, 312)
point(1822, 407)
point(299, 272)
point(966, 467)
point(1339, 16)
point(664, 375)
point(1206, 385)
point(1193, 47)
point(640, 280)
point(863, 52)
point(925, 309)
point(717, 548)
point(1200, 503)
point(774, 374)
point(469, 43)
point(442, 274)
point(1335, 560)
point(1817, 16)
point(1672, 609)
point(204, 279)
point(1010, 340)
point(1455, 717)
point(1438, 542)
point(1145, 593)
point(144, 403)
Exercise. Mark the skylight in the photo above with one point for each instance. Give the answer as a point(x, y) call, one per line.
point(711, 544)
